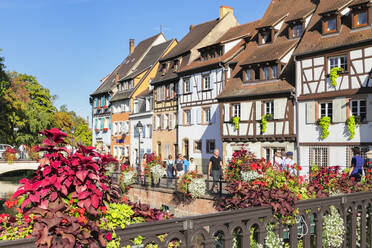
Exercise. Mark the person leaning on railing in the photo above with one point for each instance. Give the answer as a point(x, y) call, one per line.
point(357, 162)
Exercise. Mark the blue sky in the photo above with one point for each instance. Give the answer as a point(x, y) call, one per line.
point(69, 45)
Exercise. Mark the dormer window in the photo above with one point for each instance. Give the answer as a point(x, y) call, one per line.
point(175, 65)
point(274, 70)
point(163, 69)
point(360, 19)
point(266, 37)
point(248, 74)
point(330, 25)
point(266, 72)
point(297, 30)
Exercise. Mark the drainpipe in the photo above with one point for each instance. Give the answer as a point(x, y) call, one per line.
point(294, 94)
point(224, 79)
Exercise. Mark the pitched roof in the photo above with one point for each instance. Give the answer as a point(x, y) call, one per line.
point(242, 30)
point(122, 69)
point(193, 38)
point(314, 41)
point(148, 62)
point(150, 59)
point(235, 89)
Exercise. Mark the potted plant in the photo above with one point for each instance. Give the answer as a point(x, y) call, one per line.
point(236, 120)
point(269, 117)
point(105, 129)
point(334, 74)
point(324, 123)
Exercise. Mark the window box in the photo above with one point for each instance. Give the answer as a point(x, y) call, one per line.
point(269, 117)
point(105, 129)
point(97, 130)
point(105, 106)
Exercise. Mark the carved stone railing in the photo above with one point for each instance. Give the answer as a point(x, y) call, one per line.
point(219, 229)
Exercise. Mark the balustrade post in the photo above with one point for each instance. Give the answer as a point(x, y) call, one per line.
point(353, 226)
point(363, 225)
point(319, 228)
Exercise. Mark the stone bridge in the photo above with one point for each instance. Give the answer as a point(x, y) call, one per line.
point(17, 166)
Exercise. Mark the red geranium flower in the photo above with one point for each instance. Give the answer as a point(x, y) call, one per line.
point(109, 236)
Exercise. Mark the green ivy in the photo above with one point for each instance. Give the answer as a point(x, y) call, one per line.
point(351, 123)
point(264, 122)
point(324, 123)
point(333, 75)
point(236, 120)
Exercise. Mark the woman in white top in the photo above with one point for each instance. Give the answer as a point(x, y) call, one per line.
point(192, 166)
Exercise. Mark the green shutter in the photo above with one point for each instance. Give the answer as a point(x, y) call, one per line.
point(95, 123)
point(110, 122)
point(102, 123)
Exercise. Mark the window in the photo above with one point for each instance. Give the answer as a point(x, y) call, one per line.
point(274, 69)
point(266, 37)
point(297, 30)
point(360, 19)
point(175, 65)
point(266, 72)
point(187, 114)
point(257, 73)
point(207, 115)
point(269, 108)
point(248, 74)
point(168, 91)
point(331, 25)
point(236, 110)
point(187, 86)
point(198, 146)
point(163, 69)
point(206, 82)
point(318, 156)
point(358, 108)
point(211, 145)
point(339, 61)
point(326, 109)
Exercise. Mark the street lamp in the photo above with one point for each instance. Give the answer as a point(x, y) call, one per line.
point(139, 127)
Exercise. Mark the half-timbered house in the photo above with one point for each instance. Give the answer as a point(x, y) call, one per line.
point(257, 104)
point(168, 85)
point(338, 41)
point(201, 82)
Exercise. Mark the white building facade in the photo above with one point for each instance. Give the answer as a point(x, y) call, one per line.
point(198, 115)
point(142, 112)
point(346, 47)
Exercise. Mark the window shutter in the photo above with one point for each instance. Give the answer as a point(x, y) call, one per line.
point(192, 113)
point(198, 116)
point(198, 83)
point(219, 75)
point(369, 107)
point(192, 79)
point(339, 110)
point(245, 111)
point(180, 118)
point(280, 108)
point(258, 110)
point(95, 123)
point(144, 131)
point(110, 122)
point(102, 123)
point(135, 133)
point(213, 78)
point(310, 113)
point(150, 134)
point(227, 112)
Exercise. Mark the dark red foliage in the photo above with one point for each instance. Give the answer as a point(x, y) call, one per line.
point(62, 181)
point(149, 214)
point(243, 195)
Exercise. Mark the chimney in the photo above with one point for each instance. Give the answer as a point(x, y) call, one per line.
point(131, 46)
point(224, 10)
point(191, 27)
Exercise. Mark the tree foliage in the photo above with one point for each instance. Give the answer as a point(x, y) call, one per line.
point(26, 108)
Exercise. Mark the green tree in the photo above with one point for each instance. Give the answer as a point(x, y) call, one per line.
point(27, 108)
point(83, 134)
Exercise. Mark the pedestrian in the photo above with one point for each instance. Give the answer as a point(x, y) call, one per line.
point(288, 163)
point(192, 166)
point(143, 166)
point(357, 163)
point(278, 160)
point(179, 166)
point(22, 151)
point(215, 169)
point(186, 164)
point(170, 168)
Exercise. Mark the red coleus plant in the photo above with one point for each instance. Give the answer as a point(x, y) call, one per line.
point(63, 182)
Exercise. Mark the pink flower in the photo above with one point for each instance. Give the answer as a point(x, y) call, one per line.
point(109, 236)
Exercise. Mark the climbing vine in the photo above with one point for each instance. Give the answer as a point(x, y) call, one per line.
point(324, 123)
point(333, 75)
point(236, 120)
point(351, 123)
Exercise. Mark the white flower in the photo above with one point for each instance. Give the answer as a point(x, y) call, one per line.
point(333, 229)
point(247, 176)
point(129, 177)
point(158, 171)
point(197, 187)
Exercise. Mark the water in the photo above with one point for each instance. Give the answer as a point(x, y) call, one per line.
point(9, 182)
